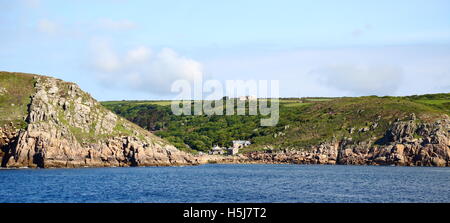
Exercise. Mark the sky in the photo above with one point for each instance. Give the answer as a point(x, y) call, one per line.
point(135, 50)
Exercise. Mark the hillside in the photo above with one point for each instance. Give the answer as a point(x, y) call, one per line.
point(46, 122)
point(363, 124)
point(303, 122)
point(15, 96)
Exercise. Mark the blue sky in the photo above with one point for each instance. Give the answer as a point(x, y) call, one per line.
point(124, 49)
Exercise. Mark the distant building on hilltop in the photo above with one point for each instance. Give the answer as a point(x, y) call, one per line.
point(247, 98)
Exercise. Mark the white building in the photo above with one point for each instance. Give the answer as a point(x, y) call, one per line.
point(216, 150)
point(247, 98)
point(241, 143)
point(237, 144)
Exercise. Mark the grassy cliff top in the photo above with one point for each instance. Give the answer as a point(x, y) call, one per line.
point(15, 96)
point(63, 106)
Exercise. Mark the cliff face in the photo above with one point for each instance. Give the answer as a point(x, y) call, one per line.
point(46, 122)
point(66, 127)
point(406, 143)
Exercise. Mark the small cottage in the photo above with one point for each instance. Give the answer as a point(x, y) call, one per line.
point(217, 150)
point(239, 144)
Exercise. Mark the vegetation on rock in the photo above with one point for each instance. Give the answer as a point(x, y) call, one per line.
point(51, 123)
point(304, 122)
point(15, 96)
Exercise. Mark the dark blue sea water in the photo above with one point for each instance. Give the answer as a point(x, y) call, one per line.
point(228, 183)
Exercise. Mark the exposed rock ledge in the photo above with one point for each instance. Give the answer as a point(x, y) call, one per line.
point(406, 143)
point(68, 128)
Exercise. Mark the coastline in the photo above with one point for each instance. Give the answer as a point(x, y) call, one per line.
point(219, 163)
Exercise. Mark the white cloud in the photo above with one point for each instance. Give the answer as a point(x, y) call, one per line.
point(138, 55)
point(47, 26)
point(105, 59)
point(141, 69)
point(394, 70)
point(361, 79)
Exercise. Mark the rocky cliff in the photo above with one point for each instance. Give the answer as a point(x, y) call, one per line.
point(46, 122)
point(65, 127)
point(406, 143)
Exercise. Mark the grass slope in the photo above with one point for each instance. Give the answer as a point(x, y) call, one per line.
point(16, 90)
point(15, 96)
point(303, 122)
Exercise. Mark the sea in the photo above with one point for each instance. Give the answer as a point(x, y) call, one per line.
point(252, 183)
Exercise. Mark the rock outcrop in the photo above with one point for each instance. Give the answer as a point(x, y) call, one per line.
point(406, 143)
point(66, 127)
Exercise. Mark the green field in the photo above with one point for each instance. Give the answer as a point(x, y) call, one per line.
point(438, 101)
point(161, 103)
